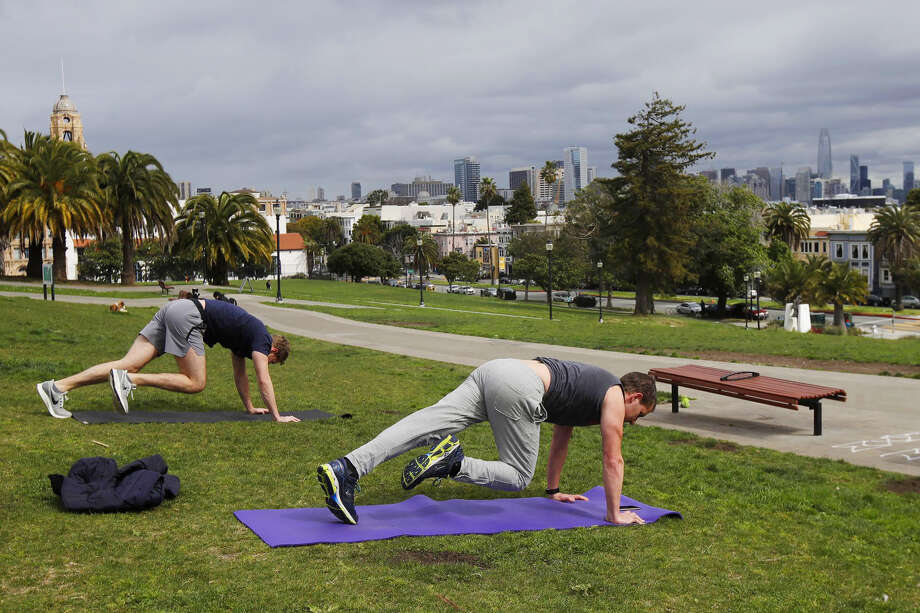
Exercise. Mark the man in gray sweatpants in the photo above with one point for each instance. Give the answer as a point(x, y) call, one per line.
point(515, 397)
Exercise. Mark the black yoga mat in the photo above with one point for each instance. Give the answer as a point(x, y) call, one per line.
point(182, 417)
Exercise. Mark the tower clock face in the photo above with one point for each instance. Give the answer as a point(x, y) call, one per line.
point(66, 119)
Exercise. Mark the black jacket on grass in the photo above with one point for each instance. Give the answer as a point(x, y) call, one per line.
point(97, 484)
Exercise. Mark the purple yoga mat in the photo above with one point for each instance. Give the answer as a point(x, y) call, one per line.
point(422, 516)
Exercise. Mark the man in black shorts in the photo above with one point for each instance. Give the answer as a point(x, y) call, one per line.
point(515, 397)
point(182, 328)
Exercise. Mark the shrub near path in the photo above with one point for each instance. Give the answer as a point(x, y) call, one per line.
point(762, 530)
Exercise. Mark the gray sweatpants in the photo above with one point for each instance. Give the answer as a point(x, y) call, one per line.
point(506, 393)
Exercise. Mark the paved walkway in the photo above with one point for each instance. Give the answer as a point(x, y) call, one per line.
point(878, 426)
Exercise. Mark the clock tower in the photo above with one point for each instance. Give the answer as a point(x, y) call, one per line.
point(66, 123)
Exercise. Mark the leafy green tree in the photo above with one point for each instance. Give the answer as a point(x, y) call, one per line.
point(426, 258)
point(895, 232)
point(570, 263)
point(778, 251)
point(653, 204)
point(141, 198)
point(787, 221)
point(369, 230)
point(728, 242)
point(101, 261)
point(522, 207)
point(526, 268)
point(396, 241)
point(842, 285)
point(224, 232)
point(378, 197)
point(549, 174)
point(454, 195)
point(390, 267)
point(796, 279)
point(54, 186)
point(913, 198)
point(357, 260)
point(457, 266)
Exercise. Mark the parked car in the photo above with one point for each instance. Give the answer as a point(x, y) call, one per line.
point(453, 289)
point(745, 311)
point(874, 300)
point(488, 292)
point(584, 301)
point(430, 287)
point(563, 296)
point(507, 294)
point(910, 302)
point(689, 308)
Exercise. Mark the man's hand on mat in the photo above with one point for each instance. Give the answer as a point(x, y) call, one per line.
point(288, 418)
point(567, 497)
point(625, 518)
point(257, 411)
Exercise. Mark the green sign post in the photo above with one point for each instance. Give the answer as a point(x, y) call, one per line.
point(47, 279)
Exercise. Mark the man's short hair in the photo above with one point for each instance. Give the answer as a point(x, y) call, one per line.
point(643, 383)
point(282, 347)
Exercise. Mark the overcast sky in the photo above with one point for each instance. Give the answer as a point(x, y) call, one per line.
point(287, 95)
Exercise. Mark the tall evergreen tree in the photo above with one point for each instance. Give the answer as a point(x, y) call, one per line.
point(522, 207)
point(653, 202)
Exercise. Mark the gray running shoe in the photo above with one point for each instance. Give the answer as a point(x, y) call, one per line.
point(121, 386)
point(54, 402)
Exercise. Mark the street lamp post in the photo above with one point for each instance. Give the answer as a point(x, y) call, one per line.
point(421, 286)
point(277, 208)
point(757, 287)
point(600, 292)
point(747, 299)
point(549, 290)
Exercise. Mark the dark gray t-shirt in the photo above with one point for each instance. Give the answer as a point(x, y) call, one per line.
point(576, 392)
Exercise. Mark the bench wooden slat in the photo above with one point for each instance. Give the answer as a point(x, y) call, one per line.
point(765, 390)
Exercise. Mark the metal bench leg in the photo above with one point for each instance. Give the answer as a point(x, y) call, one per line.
point(816, 407)
point(675, 399)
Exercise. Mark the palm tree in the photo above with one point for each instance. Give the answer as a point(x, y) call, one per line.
point(549, 175)
point(895, 232)
point(6, 174)
point(228, 231)
point(141, 198)
point(787, 221)
point(487, 191)
point(54, 186)
point(842, 285)
point(428, 258)
point(454, 195)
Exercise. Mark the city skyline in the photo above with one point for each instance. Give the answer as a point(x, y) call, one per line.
point(281, 112)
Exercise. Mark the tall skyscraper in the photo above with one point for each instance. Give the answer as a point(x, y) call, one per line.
point(711, 175)
point(524, 174)
point(854, 173)
point(908, 176)
point(320, 194)
point(355, 191)
point(576, 171)
point(727, 174)
point(776, 183)
point(864, 183)
point(825, 164)
point(466, 177)
point(592, 173)
point(803, 185)
point(185, 190)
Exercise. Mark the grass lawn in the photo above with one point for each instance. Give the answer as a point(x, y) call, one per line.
point(621, 331)
point(114, 291)
point(762, 531)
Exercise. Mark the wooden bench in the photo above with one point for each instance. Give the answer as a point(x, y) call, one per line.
point(165, 288)
point(748, 385)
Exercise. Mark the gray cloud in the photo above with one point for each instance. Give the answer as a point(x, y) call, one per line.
point(283, 95)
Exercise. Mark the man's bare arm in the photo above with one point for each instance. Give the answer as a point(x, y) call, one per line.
point(242, 383)
point(613, 412)
point(558, 450)
point(260, 364)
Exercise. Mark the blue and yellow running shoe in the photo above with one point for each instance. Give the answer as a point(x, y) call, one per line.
point(438, 463)
point(339, 482)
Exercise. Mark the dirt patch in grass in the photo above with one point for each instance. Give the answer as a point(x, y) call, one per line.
point(430, 558)
point(410, 324)
point(867, 368)
point(717, 445)
point(903, 486)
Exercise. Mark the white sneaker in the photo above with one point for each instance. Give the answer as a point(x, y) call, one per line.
point(121, 386)
point(54, 402)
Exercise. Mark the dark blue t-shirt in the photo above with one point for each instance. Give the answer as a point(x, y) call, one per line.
point(576, 392)
point(235, 329)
